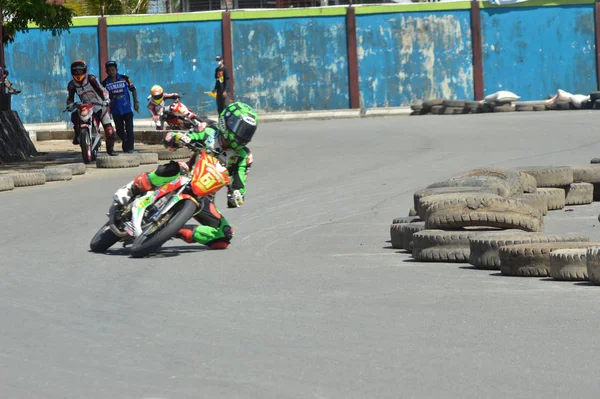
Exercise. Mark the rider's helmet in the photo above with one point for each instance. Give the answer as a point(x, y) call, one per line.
point(237, 123)
point(79, 71)
point(157, 94)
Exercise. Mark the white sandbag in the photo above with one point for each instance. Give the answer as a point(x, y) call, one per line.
point(577, 99)
point(501, 96)
point(563, 96)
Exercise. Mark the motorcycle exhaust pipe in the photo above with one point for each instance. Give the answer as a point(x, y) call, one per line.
point(111, 222)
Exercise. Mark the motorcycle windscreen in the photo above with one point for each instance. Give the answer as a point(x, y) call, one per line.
point(209, 175)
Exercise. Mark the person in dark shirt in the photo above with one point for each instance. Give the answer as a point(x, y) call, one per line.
point(221, 82)
point(119, 86)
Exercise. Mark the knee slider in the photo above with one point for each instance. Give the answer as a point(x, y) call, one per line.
point(228, 233)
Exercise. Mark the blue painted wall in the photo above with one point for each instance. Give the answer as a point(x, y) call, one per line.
point(291, 64)
point(39, 65)
point(178, 56)
point(405, 57)
point(533, 51)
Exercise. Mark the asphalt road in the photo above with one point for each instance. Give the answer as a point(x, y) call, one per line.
point(309, 301)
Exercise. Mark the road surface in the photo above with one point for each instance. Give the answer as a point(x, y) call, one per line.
point(309, 301)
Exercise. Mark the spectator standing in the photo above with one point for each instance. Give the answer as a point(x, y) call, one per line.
point(119, 87)
point(221, 83)
point(7, 83)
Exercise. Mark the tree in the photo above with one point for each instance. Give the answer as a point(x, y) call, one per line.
point(111, 7)
point(46, 14)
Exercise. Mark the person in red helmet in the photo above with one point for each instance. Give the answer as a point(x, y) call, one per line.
point(89, 90)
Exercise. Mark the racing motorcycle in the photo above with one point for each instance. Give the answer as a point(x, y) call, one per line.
point(178, 117)
point(90, 139)
point(151, 219)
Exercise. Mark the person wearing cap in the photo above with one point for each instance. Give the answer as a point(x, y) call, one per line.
point(221, 82)
point(119, 87)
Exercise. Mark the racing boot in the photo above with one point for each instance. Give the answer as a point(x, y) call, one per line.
point(214, 238)
point(110, 150)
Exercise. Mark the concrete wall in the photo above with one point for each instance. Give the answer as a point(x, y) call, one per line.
point(179, 56)
point(410, 56)
point(297, 59)
point(291, 64)
point(533, 51)
point(39, 65)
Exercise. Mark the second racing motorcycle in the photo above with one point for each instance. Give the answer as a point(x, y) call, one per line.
point(176, 116)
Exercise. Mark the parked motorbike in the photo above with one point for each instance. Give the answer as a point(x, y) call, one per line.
point(90, 139)
point(177, 116)
point(153, 218)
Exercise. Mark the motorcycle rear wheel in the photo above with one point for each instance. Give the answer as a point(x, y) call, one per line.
point(154, 237)
point(85, 142)
point(103, 240)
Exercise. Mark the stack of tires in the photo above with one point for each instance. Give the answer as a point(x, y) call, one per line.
point(494, 219)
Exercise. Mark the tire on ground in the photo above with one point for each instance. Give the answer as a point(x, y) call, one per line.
point(502, 179)
point(408, 230)
point(55, 174)
point(540, 107)
point(586, 173)
point(556, 197)
point(27, 179)
point(396, 235)
point(437, 109)
point(523, 107)
point(75, 168)
point(484, 249)
point(6, 183)
point(443, 246)
point(171, 155)
point(579, 194)
point(412, 212)
point(504, 108)
point(528, 182)
point(549, 176)
point(593, 264)
point(147, 158)
point(569, 264)
point(428, 105)
point(483, 210)
point(427, 192)
point(122, 161)
point(534, 200)
point(533, 259)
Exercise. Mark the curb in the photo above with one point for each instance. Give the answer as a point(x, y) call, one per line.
point(143, 127)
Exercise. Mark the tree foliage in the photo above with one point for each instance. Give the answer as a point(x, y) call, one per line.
point(111, 7)
point(17, 14)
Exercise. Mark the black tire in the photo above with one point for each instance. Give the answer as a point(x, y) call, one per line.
point(97, 147)
point(103, 240)
point(144, 245)
point(595, 95)
point(85, 143)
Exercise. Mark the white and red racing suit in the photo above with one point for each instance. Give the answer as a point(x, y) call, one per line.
point(155, 108)
point(89, 91)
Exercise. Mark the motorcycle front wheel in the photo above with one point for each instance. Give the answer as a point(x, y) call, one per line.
point(103, 240)
point(86, 145)
point(161, 231)
point(95, 133)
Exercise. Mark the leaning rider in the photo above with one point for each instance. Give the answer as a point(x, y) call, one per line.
point(235, 128)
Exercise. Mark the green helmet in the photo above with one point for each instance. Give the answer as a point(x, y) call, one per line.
point(237, 123)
